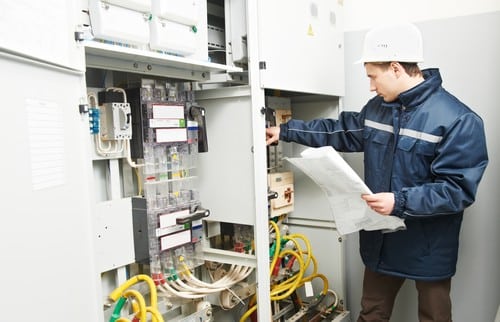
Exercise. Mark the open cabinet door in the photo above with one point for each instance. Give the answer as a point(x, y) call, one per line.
point(45, 235)
point(48, 270)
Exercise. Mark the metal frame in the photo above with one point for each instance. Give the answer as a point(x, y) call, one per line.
point(126, 59)
point(260, 168)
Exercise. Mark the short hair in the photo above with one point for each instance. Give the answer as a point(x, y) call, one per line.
point(411, 69)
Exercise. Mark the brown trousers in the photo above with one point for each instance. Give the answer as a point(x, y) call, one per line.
point(380, 290)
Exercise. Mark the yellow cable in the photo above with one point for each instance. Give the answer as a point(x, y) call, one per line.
point(155, 314)
point(122, 319)
point(141, 311)
point(297, 245)
point(297, 278)
point(248, 313)
point(277, 248)
point(273, 263)
point(321, 276)
point(186, 270)
point(139, 181)
point(286, 288)
point(306, 241)
point(275, 291)
point(253, 300)
point(315, 265)
point(115, 295)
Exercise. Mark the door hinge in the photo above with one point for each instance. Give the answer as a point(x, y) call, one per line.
point(83, 108)
point(262, 65)
point(79, 36)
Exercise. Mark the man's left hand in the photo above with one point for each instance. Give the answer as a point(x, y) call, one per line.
point(382, 202)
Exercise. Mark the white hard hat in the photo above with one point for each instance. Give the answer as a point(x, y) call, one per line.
point(400, 42)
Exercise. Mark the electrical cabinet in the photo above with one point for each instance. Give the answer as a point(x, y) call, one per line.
point(302, 46)
point(145, 187)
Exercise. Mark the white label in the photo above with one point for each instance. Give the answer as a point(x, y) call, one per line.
point(168, 111)
point(197, 223)
point(167, 220)
point(154, 123)
point(171, 135)
point(46, 141)
point(309, 289)
point(174, 240)
point(168, 230)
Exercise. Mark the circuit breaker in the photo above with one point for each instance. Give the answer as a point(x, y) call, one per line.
point(115, 121)
point(171, 230)
point(282, 184)
point(157, 117)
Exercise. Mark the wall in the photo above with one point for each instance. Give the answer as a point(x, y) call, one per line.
point(363, 14)
point(466, 49)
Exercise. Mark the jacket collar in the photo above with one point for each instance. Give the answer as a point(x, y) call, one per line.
point(417, 95)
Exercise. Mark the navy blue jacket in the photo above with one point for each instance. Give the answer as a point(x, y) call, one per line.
point(426, 147)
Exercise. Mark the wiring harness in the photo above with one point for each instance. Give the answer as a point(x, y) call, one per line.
point(123, 293)
point(288, 266)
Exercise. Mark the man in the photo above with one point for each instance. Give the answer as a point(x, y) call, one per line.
point(424, 155)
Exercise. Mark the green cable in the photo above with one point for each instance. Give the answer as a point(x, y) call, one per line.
point(272, 249)
point(118, 308)
point(283, 242)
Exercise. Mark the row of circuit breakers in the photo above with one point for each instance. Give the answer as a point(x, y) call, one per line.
point(167, 135)
point(151, 120)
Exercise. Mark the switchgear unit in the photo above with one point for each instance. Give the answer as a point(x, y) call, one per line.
point(189, 148)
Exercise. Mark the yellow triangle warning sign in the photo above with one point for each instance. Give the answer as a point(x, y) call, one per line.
point(310, 31)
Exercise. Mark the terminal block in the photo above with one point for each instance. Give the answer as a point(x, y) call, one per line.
point(282, 184)
point(115, 121)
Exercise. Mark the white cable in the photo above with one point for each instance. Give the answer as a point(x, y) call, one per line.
point(131, 163)
point(98, 144)
point(236, 274)
point(197, 289)
point(122, 146)
point(227, 278)
point(332, 292)
point(165, 288)
point(118, 89)
point(90, 96)
point(104, 151)
point(193, 288)
point(215, 286)
point(225, 299)
point(197, 284)
point(192, 285)
point(113, 147)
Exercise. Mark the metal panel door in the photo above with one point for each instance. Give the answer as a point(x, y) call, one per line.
point(42, 30)
point(45, 235)
point(301, 44)
point(48, 269)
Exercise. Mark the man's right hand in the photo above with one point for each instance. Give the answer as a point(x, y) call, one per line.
point(272, 134)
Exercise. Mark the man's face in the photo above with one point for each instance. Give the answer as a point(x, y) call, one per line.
point(383, 81)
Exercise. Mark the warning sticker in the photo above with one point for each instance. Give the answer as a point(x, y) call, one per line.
point(310, 31)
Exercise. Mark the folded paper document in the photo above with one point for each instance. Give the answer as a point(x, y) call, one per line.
point(343, 189)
